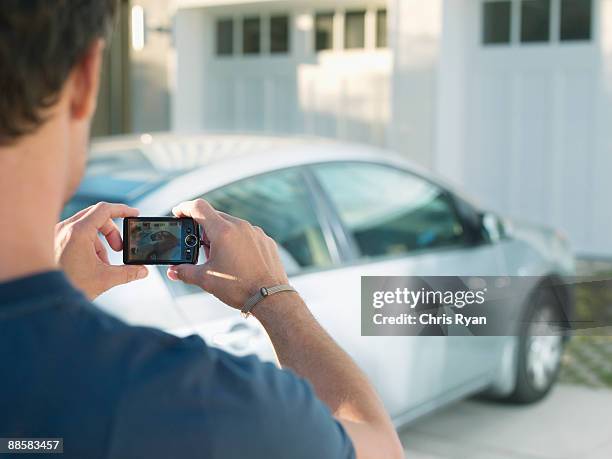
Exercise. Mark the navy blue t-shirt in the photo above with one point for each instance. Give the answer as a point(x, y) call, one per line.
point(111, 390)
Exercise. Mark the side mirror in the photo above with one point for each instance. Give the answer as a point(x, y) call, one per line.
point(492, 226)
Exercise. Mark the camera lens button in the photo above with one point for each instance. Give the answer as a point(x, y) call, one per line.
point(191, 240)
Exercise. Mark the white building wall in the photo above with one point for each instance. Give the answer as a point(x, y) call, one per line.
point(416, 34)
point(149, 82)
point(450, 135)
point(337, 93)
point(187, 109)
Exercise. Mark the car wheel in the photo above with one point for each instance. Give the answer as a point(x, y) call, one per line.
point(540, 349)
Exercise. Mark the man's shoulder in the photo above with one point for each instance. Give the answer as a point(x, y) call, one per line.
point(209, 398)
point(226, 405)
point(142, 352)
point(160, 395)
point(154, 361)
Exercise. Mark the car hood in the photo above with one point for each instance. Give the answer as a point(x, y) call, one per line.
point(551, 244)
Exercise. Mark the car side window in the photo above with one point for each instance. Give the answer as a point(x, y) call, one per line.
point(279, 203)
point(389, 211)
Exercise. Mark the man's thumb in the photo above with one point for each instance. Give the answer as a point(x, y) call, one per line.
point(190, 274)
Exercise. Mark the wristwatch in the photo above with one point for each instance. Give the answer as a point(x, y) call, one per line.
point(261, 294)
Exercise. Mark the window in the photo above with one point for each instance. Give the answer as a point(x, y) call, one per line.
point(354, 29)
point(575, 20)
point(324, 31)
point(496, 22)
point(280, 204)
point(279, 34)
point(381, 29)
point(535, 20)
point(251, 35)
point(389, 211)
point(225, 37)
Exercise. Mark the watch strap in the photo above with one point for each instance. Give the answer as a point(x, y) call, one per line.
point(262, 293)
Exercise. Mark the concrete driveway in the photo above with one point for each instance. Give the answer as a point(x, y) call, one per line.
point(572, 422)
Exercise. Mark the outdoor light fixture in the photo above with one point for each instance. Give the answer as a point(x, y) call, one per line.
point(138, 28)
point(304, 22)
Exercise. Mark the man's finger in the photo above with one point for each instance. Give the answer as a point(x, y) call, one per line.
point(190, 274)
point(112, 235)
point(101, 251)
point(101, 213)
point(118, 275)
point(202, 212)
point(78, 215)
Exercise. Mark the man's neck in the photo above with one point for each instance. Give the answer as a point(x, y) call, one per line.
point(30, 203)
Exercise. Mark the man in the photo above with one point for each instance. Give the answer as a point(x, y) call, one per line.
point(115, 391)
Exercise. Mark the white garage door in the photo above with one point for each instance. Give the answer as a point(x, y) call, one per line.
point(535, 121)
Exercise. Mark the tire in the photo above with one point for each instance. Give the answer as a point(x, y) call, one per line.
point(539, 354)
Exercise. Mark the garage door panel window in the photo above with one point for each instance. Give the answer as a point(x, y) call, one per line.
point(225, 37)
point(279, 34)
point(576, 19)
point(389, 211)
point(539, 21)
point(496, 22)
point(251, 35)
point(324, 31)
point(381, 29)
point(354, 29)
point(535, 20)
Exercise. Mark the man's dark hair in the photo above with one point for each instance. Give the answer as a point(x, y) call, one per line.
point(40, 43)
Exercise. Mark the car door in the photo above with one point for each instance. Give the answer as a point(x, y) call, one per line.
point(288, 206)
point(396, 223)
point(282, 205)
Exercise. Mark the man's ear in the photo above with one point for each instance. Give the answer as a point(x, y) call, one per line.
point(85, 78)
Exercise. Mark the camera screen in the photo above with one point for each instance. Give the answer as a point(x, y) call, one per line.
point(154, 240)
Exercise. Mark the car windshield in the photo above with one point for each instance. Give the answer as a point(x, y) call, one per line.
point(128, 164)
point(121, 176)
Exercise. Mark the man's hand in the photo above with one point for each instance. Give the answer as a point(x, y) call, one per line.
point(240, 257)
point(241, 260)
point(80, 253)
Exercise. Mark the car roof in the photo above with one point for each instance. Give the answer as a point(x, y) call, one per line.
point(128, 167)
point(134, 165)
point(181, 152)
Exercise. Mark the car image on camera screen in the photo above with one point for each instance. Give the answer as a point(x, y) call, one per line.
point(150, 241)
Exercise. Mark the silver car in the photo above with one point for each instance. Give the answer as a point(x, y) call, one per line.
point(338, 211)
